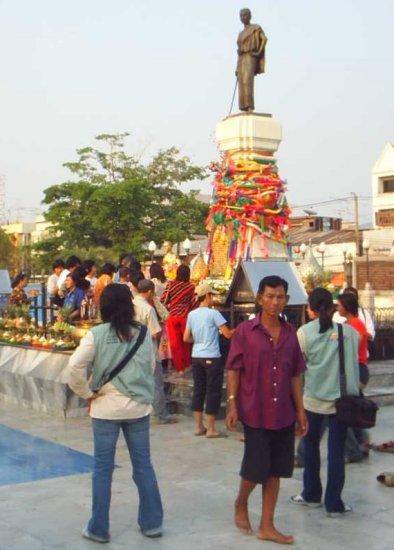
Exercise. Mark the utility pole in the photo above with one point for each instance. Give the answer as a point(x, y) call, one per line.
point(359, 250)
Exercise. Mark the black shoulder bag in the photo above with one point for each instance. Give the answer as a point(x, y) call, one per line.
point(114, 372)
point(353, 410)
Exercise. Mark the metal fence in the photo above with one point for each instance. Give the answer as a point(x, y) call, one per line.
point(383, 345)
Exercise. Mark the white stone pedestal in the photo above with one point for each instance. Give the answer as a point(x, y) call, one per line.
point(249, 131)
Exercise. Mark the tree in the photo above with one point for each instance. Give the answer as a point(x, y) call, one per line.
point(6, 250)
point(115, 201)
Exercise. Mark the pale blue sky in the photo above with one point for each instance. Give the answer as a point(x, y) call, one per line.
point(164, 71)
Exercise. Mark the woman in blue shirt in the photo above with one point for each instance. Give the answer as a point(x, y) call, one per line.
point(202, 330)
point(76, 291)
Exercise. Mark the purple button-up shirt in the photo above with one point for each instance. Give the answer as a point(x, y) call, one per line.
point(264, 396)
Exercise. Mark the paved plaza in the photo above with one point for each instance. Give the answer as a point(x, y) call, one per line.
point(198, 479)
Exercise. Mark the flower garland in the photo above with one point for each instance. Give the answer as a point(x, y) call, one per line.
point(248, 200)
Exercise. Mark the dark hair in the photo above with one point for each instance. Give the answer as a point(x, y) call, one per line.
point(349, 302)
point(108, 269)
point(351, 290)
point(58, 263)
point(183, 273)
point(123, 272)
point(134, 263)
point(117, 308)
point(82, 271)
point(121, 258)
point(20, 277)
point(72, 261)
point(144, 285)
point(273, 281)
point(320, 300)
point(131, 260)
point(88, 264)
point(136, 277)
point(157, 272)
point(79, 281)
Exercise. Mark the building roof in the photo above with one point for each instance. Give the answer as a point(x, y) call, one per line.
point(385, 163)
point(301, 235)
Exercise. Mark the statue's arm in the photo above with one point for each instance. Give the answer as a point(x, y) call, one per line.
point(263, 42)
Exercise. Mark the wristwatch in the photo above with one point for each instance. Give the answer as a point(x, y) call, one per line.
point(230, 398)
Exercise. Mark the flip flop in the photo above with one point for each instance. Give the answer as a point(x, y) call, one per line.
point(199, 434)
point(384, 447)
point(217, 436)
point(387, 478)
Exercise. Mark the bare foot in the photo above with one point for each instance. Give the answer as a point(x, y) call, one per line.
point(274, 536)
point(241, 519)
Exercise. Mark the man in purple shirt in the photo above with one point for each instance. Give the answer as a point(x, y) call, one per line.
point(264, 391)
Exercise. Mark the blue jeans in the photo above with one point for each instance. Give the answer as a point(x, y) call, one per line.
point(136, 434)
point(313, 490)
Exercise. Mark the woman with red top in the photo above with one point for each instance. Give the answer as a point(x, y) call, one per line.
point(348, 308)
point(357, 440)
point(178, 297)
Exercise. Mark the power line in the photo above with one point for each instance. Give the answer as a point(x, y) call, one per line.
point(330, 201)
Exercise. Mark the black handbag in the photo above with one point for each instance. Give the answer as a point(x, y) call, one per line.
point(355, 411)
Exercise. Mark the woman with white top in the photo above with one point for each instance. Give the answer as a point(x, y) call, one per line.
point(124, 403)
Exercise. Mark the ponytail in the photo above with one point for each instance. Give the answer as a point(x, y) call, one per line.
point(320, 301)
point(324, 320)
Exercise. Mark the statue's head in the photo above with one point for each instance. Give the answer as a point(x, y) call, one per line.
point(167, 246)
point(245, 15)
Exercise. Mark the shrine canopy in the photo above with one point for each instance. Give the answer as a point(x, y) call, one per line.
point(244, 286)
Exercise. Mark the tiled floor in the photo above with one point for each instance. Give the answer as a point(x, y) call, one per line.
point(198, 479)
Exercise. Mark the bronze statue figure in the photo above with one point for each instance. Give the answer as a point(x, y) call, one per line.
point(251, 59)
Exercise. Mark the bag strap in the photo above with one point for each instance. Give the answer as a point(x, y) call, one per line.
point(130, 354)
point(342, 373)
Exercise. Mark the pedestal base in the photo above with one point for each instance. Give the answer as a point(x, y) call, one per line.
point(245, 131)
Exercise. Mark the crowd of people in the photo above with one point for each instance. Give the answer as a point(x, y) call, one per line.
point(280, 382)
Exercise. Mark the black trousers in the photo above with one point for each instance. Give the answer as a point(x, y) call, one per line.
point(208, 384)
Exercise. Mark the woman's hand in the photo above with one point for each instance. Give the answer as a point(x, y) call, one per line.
point(94, 396)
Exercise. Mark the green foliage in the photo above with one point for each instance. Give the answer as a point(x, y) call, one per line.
point(115, 201)
point(6, 250)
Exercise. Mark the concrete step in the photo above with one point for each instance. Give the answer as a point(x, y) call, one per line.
point(381, 374)
point(179, 391)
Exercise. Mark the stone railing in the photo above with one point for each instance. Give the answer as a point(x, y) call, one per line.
point(383, 317)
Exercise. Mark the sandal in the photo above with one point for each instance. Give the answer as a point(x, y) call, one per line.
point(387, 478)
point(387, 447)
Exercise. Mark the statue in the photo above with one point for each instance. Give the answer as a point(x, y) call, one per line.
point(251, 59)
point(170, 261)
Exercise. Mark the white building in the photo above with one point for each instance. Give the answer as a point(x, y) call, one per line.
point(383, 188)
point(19, 232)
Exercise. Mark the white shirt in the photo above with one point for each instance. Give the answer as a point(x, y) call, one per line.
point(62, 278)
point(146, 315)
point(111, 404)
point(92, 281)
point(52, 284)
point(365, 317)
